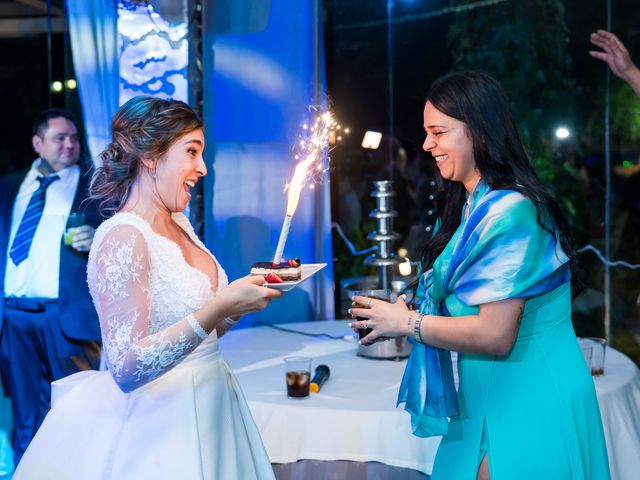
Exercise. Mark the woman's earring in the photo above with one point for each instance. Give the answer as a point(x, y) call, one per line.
point(152, 172)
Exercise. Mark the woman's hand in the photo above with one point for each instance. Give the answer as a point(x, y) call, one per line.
point(246, 295)
point(386, 319)
point(616, 55)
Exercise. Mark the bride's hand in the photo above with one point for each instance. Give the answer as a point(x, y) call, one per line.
point(246, 295)
point(386, 319)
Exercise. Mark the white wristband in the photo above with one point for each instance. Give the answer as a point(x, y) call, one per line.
point(201, 332)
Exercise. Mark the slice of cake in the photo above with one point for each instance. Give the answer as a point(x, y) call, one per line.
point(289, 271)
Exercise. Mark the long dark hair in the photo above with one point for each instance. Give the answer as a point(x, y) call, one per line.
point(479, 101)
point(142, 126)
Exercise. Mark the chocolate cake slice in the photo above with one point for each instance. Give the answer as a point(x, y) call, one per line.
point(288, 271)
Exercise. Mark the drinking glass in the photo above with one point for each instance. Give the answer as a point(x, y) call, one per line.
point(298, 376)
point(76, 219)
point(587, 351)
point(378, 294)
point(599, 346)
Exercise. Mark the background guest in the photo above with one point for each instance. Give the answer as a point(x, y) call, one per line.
point(49, 325)
point(496, 289)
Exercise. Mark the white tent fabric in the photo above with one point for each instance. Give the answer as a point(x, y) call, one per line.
point(94, 43)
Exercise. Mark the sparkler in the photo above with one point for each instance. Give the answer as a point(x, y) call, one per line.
point(311, 147)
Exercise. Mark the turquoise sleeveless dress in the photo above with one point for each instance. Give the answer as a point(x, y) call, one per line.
point(534, 412)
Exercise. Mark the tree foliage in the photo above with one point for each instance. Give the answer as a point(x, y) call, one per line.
point(524, 45)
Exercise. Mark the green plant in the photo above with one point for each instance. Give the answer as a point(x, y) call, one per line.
point(524, 45)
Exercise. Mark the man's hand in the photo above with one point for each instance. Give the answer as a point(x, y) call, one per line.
point(81, 237)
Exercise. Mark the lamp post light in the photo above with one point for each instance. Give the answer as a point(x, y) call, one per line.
point(562, 133)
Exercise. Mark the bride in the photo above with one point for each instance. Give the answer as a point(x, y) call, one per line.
point(169, 406)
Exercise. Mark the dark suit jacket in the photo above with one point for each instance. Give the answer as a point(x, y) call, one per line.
point(78, 316)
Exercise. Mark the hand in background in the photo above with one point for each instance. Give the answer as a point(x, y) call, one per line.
point(617, 57)
point(81, 237)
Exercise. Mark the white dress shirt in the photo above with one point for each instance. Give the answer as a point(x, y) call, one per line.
point(38, 274)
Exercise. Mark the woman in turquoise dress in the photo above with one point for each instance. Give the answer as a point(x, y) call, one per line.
point(496, 288)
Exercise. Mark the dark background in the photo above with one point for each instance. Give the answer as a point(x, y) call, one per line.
point(571, 94)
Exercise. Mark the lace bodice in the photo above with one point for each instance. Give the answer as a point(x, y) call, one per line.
point(145, 293)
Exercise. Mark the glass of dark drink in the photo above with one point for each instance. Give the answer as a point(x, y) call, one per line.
point(378, 294)
point(587, 351)
point(597, 359)
point(298, 376)
point(594, 349)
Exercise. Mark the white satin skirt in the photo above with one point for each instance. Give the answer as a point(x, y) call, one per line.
point(192, 422)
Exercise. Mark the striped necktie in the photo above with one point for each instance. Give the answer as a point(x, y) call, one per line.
point(29, 223)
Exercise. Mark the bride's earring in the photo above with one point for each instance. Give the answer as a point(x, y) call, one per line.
point(152, 171)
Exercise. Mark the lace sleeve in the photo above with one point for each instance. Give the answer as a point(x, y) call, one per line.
point(121, 295)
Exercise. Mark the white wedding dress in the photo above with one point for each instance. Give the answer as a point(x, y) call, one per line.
point(184, 416)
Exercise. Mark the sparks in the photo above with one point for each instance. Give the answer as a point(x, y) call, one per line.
point(317, 138)
point(312, 163)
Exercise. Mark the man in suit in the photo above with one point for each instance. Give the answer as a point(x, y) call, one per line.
point(49, 326)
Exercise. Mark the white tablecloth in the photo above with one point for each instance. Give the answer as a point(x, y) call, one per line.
point(354, 416)
point(619, 399)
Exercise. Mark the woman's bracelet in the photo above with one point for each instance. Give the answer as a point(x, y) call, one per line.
point(197, 328)
point(416, 328)
point(231, 322)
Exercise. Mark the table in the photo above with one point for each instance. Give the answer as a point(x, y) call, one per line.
point(354, 416)
point(619, 399)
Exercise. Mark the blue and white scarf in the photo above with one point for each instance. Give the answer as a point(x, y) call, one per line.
point(499, 252)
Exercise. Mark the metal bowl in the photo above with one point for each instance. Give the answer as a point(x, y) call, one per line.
point(392, 349)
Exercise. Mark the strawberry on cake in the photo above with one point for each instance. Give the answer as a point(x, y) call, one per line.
point(288, 271)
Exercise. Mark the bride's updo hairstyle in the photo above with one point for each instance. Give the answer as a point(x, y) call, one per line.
point(144, 126)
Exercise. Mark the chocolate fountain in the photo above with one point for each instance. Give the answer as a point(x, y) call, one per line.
point(384, 260)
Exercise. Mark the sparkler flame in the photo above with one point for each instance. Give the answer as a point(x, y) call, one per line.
point(311, 147)
point(298, 182)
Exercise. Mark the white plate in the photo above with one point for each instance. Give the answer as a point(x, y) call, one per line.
point(308, 270)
